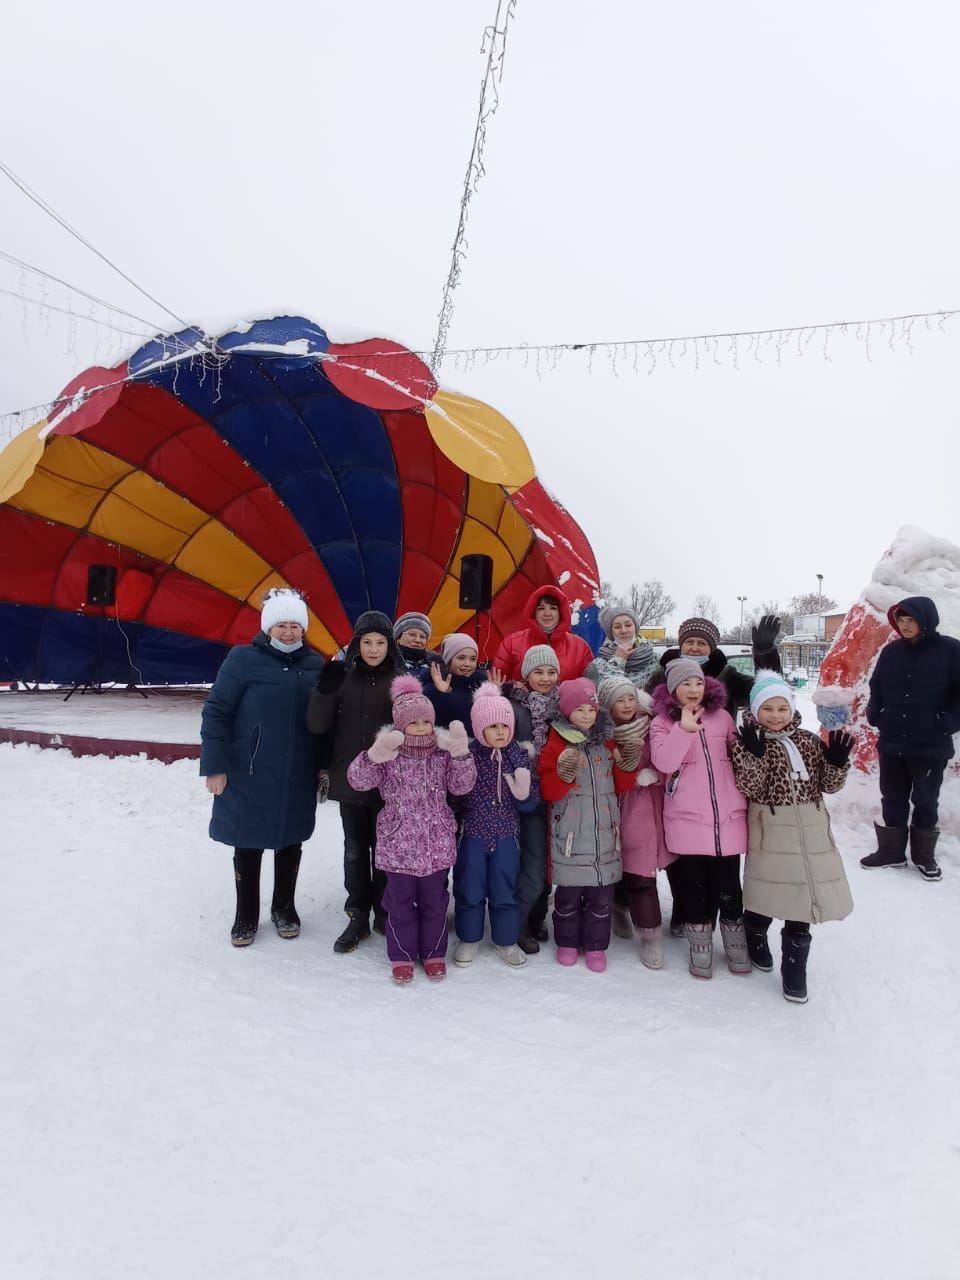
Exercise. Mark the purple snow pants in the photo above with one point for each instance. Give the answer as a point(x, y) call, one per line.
point(581, 917)
point(416, 909)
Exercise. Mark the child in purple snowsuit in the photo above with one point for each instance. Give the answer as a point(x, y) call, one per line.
point(416, 829)
point(488, 859)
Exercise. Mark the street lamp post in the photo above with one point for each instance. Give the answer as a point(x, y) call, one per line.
point(819, 597)
point(741, 599)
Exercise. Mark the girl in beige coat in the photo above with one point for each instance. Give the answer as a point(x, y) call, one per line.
point(793, 871)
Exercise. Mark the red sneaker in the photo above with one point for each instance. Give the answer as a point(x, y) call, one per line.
point(402, 973)
point(436, 970)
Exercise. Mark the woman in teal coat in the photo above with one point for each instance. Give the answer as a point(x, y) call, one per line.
point(261, 762)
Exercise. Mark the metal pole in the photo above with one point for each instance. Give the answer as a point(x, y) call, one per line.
point(741, 599)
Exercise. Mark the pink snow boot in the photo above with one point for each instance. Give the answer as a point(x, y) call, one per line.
point(402, 973)
point(567, 955)
point(596, 961)
point(436, 969)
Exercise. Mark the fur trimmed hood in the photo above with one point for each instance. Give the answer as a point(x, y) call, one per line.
point(714, 699)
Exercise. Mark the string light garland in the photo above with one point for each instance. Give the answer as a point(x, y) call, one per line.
point(494, 44)
point(759, 345)
point(73, 288)
point(716, 348)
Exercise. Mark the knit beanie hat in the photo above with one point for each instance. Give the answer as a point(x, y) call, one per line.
point(680, 669)
point(767, 685)
point(577, 693)
point(454, 643)
point(615, 687)
point(701, 627)
point(490, 707)
point(538, 655)
point(410, 702)
point(282, 605)
point(372, 621)
point(408, 621)
point(611, 612)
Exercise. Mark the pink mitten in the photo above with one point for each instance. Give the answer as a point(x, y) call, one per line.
point(458, 743)
point(386, 745)
point(519, 783)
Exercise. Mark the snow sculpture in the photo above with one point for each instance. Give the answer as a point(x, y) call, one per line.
point(917, 564)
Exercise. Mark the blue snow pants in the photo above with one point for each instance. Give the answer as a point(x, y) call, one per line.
point(485, 876)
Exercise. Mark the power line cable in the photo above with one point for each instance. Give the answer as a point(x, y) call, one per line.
point(39, 201)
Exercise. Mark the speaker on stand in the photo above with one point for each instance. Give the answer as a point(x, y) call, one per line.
point(476, 586)
point(101, 593)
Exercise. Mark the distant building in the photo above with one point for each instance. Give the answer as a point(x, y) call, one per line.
point(813, 634)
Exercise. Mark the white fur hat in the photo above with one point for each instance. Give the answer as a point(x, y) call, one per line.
point(282, 605)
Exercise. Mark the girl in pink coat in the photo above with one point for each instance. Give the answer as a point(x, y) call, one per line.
point(416, 829)
point(704, 815)
point(635, 899)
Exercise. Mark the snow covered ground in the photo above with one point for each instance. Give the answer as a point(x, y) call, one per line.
point(174, 1108)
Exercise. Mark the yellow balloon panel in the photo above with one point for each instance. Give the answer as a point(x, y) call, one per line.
point(117, 520)
point(217, 556)
point(155, 499)
point(478, 440)
point(64, 501)
point(69, 457)
point(19, 459)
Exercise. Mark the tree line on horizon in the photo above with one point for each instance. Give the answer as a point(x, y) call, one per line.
point(652, 603)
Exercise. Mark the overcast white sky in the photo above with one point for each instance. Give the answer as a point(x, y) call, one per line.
point(653, 169)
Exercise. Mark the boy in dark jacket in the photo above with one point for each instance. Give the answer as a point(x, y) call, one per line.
point(351, 703)
point(915, 707)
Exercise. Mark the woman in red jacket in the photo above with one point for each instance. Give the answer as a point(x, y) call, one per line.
point(549, 623)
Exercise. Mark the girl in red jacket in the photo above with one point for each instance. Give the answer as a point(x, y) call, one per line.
point(548, 614)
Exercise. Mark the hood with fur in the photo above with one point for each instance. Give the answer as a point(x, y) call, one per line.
point(714, 699)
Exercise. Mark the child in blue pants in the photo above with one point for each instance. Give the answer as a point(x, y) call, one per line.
point(488, 856)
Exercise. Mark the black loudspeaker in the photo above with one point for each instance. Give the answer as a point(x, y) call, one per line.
point(101, 584)
point(476, 583)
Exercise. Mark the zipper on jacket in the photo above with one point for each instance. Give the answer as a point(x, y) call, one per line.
point(814, 905)
point(596, 818)
point(713, 795)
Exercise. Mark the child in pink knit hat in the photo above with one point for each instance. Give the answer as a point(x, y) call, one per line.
point(581, 778)
point(488, 857)
point(451, 683)
point(414, 770)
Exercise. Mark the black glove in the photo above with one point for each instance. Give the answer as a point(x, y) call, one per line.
point(837, 748)
point(332, 677)
point(752, 739)
point(765, 633)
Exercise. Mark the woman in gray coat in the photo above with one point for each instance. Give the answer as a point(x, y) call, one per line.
point(261, 762)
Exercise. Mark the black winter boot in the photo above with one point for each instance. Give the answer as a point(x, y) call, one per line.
point(793, 965)
point(891, 848)
point(246, 871)
point(528, 944)
point(380, 922)
point(286, 864)
point(758, 948)
point(358, 928)
point(922, 845)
